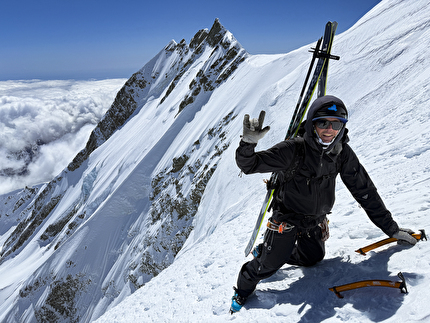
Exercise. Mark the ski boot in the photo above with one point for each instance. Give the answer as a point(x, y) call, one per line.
point(237, 302)
point(256, 252)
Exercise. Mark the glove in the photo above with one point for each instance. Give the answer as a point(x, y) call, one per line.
point(404, 237)
point(252, 129)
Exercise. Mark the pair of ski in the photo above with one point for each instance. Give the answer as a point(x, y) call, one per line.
point(321, 55)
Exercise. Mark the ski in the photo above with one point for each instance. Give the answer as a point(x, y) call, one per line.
point(266, 204)
point(362, 251)
point(315, 52)
point(321, 69)
point(371, 283)
point(322, 83)
point(321, 53)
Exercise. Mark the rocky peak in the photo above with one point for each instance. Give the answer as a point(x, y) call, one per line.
point(212, 37)
point(198, 38)
point(150, 81)
point(216, 34)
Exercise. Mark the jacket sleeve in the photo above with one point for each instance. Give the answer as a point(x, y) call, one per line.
point(274, 159)
point(364, 191)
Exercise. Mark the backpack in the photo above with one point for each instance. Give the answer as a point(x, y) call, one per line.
point(280, 177)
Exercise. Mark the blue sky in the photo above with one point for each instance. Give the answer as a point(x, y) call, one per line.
point(85, 39)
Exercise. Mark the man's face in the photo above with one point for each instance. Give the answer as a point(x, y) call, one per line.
point(328, 134)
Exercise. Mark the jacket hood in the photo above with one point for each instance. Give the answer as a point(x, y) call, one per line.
point(325, 106)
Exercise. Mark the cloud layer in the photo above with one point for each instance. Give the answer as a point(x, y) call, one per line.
point(44, 124)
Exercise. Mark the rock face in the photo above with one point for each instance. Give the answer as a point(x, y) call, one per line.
point(226, 55)
point(87, 263)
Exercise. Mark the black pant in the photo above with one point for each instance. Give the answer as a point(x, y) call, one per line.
point(296, 247)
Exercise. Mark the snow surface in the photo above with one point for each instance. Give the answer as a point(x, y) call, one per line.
point(383, 77)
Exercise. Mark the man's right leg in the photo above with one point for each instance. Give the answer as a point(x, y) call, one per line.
point(309, 249)
point(276, 251)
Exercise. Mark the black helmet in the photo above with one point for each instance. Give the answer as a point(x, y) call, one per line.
point(329, 107)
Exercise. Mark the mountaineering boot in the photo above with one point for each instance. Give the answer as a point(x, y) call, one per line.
point(237, 302)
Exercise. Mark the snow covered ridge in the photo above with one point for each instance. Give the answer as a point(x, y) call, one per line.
point(135, 172)
point(167, 69)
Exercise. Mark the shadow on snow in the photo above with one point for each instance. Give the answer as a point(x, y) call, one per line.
point(318, 303)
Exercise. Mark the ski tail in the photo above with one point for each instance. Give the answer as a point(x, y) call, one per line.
point(315, 52)
point(322, 83)
point(319, 77)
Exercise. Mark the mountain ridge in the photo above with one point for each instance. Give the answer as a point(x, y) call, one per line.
point(125, 104)
point(55, 217)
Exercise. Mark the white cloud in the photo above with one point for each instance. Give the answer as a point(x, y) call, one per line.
point(60, 115)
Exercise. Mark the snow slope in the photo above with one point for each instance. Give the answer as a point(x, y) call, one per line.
point(168, 177)
point(384, 78)
point(111, 221)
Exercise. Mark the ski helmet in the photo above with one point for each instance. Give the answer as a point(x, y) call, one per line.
point(329, 107)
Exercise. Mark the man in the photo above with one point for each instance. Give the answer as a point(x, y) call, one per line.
point(298, 227)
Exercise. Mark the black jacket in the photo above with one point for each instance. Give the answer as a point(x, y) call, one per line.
point(310, 195)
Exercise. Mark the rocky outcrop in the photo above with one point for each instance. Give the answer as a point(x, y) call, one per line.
point(226, 55)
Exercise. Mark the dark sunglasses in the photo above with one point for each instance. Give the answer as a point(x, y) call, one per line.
point(324, 124)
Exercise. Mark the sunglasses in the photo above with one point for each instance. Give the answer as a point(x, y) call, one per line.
point(324, 124)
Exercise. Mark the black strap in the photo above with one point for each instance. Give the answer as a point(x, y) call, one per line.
point(288, 174)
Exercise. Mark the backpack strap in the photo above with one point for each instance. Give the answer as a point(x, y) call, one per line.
point(297, 162)
point(278, 178)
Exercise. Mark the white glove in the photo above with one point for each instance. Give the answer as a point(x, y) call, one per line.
point(253, 129)
point(404, 237)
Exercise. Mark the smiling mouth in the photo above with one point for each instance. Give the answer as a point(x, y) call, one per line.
point(327, 137)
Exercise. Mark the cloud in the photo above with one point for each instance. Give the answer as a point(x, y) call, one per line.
point(39, 119)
